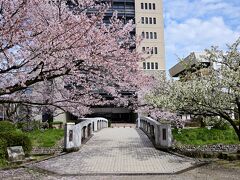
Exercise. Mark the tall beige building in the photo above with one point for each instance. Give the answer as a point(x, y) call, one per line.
point(148, 17)
point(150, 26)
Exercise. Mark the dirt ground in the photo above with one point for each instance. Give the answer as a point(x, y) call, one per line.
point(216, 170)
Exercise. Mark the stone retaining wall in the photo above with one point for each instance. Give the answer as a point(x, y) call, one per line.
point(222, 151)
point(45, 151)
point(212, 148)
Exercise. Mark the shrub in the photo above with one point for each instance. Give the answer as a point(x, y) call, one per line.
point(44, 125)
point(17, 139)
point(6, 126)
point(221, 125)
point(57, 122)
point(28, 126)
point(3, 148)
point(19, 125)
point(216, 123)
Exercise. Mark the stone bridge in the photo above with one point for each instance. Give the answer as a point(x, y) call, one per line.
point(118, 151)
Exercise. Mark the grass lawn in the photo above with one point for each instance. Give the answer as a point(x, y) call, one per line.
point(47, 138)
point(203, 136)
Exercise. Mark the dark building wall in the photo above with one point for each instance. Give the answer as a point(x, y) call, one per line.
point(125, 9)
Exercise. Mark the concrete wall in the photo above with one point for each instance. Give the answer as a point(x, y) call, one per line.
point(159, 133)
point(61, 116)
point(76, 133)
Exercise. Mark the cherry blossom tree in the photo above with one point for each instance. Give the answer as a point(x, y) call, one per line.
point(59, 56)
point(159, 113)
point(215, 94)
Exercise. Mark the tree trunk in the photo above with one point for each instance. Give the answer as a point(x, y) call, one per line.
point(233, 124)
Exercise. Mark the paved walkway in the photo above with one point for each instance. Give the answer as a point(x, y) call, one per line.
point(117, 151)
point(118, 125)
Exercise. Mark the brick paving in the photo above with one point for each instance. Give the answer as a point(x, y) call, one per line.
point(117, 151)
point(118, 125)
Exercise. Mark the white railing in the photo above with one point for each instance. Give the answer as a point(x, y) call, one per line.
point(75, 134)
point(159, 133)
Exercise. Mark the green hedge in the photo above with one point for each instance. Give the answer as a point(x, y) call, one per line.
point(11, 136)
point(6, 126)
point(15, 139)
point(3, 148)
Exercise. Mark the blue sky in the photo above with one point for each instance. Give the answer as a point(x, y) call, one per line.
point(194, 25)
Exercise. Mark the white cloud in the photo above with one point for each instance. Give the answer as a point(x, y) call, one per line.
point(196, 35)
point(194, 25)
point(180, 9)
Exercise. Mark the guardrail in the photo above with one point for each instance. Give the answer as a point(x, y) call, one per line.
point(75, 134)
point(159, 133)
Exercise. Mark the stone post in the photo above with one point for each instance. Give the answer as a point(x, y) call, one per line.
point(95, 125)
point(138, 120)
point(98, 125)
point(165, 135)
point(157, 135)
point(69, 136)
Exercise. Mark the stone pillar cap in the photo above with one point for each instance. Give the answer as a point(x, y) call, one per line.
point(70, 123)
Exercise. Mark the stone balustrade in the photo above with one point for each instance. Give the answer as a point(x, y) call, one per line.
point(159, 133)
point(75, 134)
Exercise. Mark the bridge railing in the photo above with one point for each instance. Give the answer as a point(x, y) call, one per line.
point(75, 134)
point(159, 133)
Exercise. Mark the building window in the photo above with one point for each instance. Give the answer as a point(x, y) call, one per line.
point(156, 65)
point(151, 50)
point(150, 6)
point(164, 134)
point(146, 20)
point(155, 35)
point(70, 135)
point(154, 21)
point(154, 7)
point(143, 49)
point(144, 65)
point(143, 35)
point(152, 65)
point(142, 20)
point(151, 35)
point(147, 49)
point(142, 6)
point(146, 6)
point(156, 50)
point(148, 65)
point(150, 20)
point(147, 35)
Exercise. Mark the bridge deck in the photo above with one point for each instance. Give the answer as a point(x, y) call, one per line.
point(117, 151)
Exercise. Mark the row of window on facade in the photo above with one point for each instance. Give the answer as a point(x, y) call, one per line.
point(149, 20)
point(149, 35)
point(150, 65)
point(148, 50)
point(150, 6)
